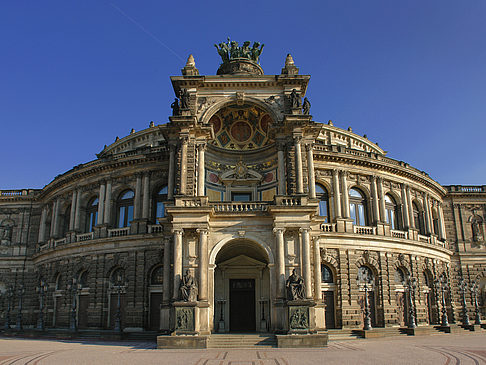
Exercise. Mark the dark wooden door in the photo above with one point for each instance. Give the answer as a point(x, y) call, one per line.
point(329, 303)
point(242, 305)
point(155, 302)
point(83, 311)
point(113, 309)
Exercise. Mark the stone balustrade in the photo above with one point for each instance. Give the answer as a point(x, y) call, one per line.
point(155, 228)
point(84, 237)
point(60, 241)
point(328, 227)
point(119, 232)
point(423, 238)
point(365, 230)
point(399, 234)
point(239, 207)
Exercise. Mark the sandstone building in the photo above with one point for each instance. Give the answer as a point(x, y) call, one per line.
point(238, 189)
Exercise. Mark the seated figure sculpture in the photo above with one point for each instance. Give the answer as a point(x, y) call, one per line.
point(295, 286)
point(188, 288)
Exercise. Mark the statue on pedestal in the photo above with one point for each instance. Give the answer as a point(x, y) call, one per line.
point(184, 97)
point(175, 107)
point(306, 107)
point(295, 286)
point(188, 288)
point(294, 99)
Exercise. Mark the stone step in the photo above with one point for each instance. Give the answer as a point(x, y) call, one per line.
point(241, 341)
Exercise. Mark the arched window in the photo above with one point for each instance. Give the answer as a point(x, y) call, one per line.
point(117, 276)
point(323, 196)
point(326, 274)
point(66, 220)
point(159, 203)
point(157, 277)
point(83, 279)
point(365, 275)
point(391, 213)
point(435, 221)
point(125, 209)
point(91, 214)
point(357, 207)
point(399, 276)
point(417, 218)
point(59, 281)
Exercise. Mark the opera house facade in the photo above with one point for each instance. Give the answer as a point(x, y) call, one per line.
point(241, 214)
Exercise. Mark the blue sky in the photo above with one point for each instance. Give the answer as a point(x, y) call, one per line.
point(76, 74)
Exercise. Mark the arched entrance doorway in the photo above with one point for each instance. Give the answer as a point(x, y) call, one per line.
point(241, 288)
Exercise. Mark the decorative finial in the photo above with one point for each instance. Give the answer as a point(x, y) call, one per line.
point(190, 67)
point(289, 61)
point(117, 138)
point(290, 68)
point(350, 129)
point(330, 123)
point(152, 124)
point(365, 136)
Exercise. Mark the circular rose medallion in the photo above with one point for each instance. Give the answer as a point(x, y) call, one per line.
point(241, 131)
point(264, 122)
point(216, 122)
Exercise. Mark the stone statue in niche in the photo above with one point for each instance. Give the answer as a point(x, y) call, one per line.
point(295, 286)
point(188, 288)
point(175, 107)
point(306, 107)
point(184, 98)
point(476, 230)
point(6, 230)
point(294, 99)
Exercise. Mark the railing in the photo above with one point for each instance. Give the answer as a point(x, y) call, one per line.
point(290, 201)
point(239, 207)
point(192, 202)
point(365, 230)
point(61, 241)
point(399, 234)
point(118, 232)
point(84, 237)
point(422, 238)
point(328, 227)
point(155, 228)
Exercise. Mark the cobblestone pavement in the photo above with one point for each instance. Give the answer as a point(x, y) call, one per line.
point(438, 349)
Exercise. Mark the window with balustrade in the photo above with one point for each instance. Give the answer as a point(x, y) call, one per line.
point(323, 196)
point(159, 203)
point(418, 218)
point(391, 212)
point(358, 207)
point(125, 209)
point(92, 214)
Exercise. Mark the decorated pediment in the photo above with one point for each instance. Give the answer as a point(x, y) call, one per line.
point(241, 174)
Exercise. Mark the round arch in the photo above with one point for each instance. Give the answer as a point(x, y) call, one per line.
point(248, 237)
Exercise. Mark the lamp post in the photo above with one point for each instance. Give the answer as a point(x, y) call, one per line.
point(21, 292)
point(41, 290)
point(9, 294)
point(411, 285)
point(366, 280)
point(465, 316)
point(441, 282)
point(74, 287)
point(118, 286)
point(474, 290)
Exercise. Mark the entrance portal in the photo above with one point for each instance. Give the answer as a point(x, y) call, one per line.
point(242, 305)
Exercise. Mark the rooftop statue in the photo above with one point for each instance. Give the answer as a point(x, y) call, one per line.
point(231, 51)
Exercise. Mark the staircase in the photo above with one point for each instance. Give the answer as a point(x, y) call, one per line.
point(342, 335)
point(241, 340)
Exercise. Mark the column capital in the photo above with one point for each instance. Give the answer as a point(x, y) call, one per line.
point(309, 146)
point(281, 144)
point(304, 230)
point(335, 172)
point(201, 145)
point(297, 138)
point(278, 230)
point(178, 231)
point(203, 231)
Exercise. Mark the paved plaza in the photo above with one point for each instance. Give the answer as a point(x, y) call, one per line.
point(438, 349)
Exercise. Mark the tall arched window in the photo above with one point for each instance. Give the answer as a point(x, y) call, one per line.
point(357, 207)
point(157, 277)
point(417, 218)
point(159, 203)
point(391, 213)
point(83, 279)
point(326, 274)
point(91, 214)
point(66, 220)
point(125, 209)
point(435, 221)
point(323, 196)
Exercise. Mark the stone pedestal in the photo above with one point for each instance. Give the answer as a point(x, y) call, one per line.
point(185, 318)
point(300, 316)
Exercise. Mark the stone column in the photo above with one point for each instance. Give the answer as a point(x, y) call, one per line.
point(374, 196)
point(107, 214)
point(345, 200)
point(183, 182)
point(317, 269)
point(279, 234)
point(442, 231)
point(53, 219)
point(405, 210)
point(203, 264)
point(177, 261)
point(42, 228)
point(146, 196)
point(428, 229)
point(306, 262)
point(166, 283)
point(310, 168)
point(298, 165)
point(410, 207)
point(77, 214)
point(170, 183)
point(201, 177)
point(55, 232)
point(72, 213)
point(101, 203)
point(137, 199)
point(337, 193)
point(381, 197)
point(281, 168)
